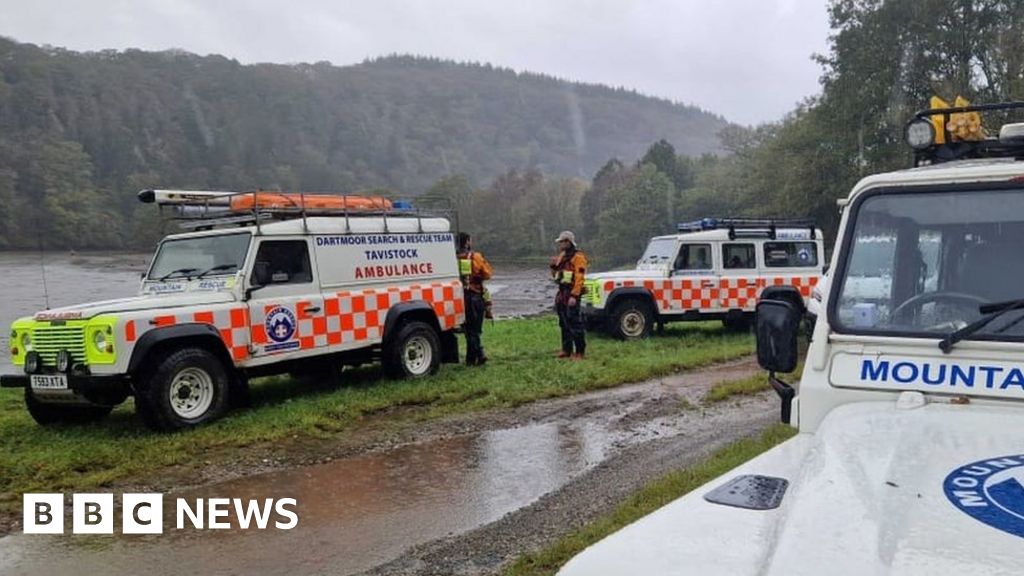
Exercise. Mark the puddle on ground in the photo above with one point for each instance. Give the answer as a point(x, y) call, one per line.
point(353, 514)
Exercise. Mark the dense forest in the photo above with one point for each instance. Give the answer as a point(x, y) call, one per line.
point(521, 156)
point(80, 133)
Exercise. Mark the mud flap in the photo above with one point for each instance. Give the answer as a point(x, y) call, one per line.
point(449, 347)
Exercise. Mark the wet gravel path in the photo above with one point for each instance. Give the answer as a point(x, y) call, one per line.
point(694, 435)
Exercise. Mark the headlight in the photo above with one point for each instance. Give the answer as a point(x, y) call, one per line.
point(26, 342)
point(101, 341)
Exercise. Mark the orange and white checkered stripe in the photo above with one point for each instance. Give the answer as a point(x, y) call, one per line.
point(350, 316)
point(346, 317)
point(232, 324)
point(696, 293)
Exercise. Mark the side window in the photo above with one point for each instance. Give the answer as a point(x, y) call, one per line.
point(738, 256)
point(694, 257)
point(790, 254)
point(282, 262)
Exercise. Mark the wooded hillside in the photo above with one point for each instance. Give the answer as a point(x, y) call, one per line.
point(80, 133)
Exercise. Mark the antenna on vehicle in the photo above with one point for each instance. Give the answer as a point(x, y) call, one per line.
point(42, 262)
point(256, 211)
point(302, 206)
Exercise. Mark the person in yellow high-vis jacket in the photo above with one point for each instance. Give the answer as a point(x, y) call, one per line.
point(568, 270)
point(473, 270)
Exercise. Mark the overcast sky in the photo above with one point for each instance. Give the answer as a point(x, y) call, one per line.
point(748, 60)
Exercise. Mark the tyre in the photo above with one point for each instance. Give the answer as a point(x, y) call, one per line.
point(45, 413)
point(414, 352)
point(186, 387)
point(631, 320)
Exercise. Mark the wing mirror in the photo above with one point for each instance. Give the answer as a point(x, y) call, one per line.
point(778, 321)
point(260, 277)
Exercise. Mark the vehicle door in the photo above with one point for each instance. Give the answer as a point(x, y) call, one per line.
point(694, 279)
point(286, 309)
point(738, 281)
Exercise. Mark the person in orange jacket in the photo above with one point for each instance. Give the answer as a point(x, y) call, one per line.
point(473, 270)
point(568, 269)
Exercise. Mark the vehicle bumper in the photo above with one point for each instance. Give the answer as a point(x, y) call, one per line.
point(106, 389)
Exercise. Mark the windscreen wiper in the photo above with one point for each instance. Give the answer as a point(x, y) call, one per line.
point(990, 311)
point(173, 272)
point(217, 268)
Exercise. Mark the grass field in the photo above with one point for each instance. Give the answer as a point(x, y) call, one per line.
point(521, 369)
point(650, 498)
point(746, 386)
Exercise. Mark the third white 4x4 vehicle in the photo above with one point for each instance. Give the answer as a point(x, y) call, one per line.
point(713, 269)
point(267, 283)
point(909, 458)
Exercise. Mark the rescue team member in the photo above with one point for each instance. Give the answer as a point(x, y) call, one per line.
point(568, 269)
point(473, 270)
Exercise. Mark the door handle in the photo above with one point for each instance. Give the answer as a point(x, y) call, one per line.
point(707, 284)
point(313, 309)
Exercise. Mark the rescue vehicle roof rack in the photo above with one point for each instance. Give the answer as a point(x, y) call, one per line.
point(936, 148)
point(206, 210)
point(746, 227)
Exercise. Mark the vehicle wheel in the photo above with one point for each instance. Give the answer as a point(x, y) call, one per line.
point(187, 387)
point(414, 352)
point(631, 320)
point(45, 413)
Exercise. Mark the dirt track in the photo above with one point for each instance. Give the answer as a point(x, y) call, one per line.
point(658, 436)
point(462, 495)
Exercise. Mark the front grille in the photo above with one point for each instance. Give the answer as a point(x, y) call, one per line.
point(49, 340)
point(593, 291)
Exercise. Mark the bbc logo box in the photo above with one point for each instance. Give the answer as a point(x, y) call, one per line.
point(93, 513)
point(144, 513)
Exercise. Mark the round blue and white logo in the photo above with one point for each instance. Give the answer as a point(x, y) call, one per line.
point(990, 491)
point(280, 324)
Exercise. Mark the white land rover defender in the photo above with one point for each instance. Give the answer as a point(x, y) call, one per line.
point(266, 283)
point(909, 458)
point(712, 269)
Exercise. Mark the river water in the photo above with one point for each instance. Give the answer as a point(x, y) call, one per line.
point(68, 279)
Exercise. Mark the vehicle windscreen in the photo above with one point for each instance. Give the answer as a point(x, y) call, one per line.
point(659, 252)
point(922, 263)
point(204, 256)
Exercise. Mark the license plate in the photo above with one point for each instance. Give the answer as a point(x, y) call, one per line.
point(49, 381)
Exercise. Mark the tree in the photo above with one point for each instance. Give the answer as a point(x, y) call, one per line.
point(634, 212)
point(613, 173)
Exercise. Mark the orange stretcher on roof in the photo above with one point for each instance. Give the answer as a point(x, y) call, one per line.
point(279, 200)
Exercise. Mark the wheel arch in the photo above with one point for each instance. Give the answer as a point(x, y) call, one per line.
point(420, 311)
point(622, 294)
point(179, 336)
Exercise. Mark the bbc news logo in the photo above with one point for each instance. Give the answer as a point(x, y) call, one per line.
point(144, 513)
